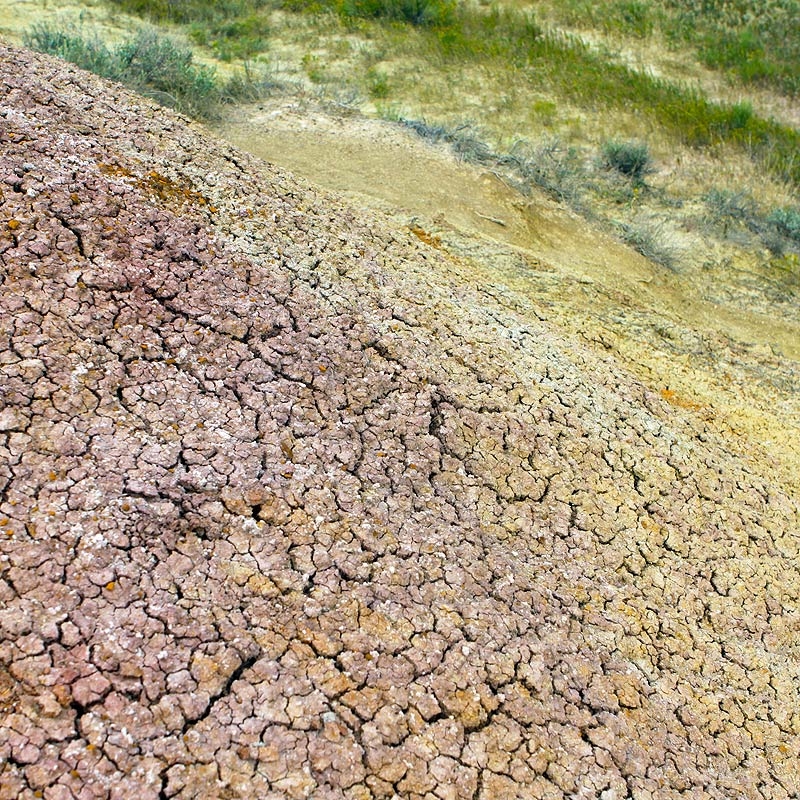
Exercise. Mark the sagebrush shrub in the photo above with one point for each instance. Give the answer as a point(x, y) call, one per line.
point(629, 158)
point(787, 222)
point(148, 62)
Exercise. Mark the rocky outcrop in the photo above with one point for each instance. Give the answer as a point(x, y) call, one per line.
point(292, 509)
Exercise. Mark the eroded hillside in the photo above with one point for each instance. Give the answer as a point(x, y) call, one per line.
point(297, 505)
point(724, 343)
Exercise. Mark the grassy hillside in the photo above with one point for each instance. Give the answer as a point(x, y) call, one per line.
point(759, 46)
point(666, 123)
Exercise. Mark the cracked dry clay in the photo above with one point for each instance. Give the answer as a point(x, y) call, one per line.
point(291, 508)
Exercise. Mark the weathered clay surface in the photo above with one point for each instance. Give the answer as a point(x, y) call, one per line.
point(290, 510)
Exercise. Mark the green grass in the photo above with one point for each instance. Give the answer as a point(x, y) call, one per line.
point(231, 18)
point(233, 29)
point(758, 41)
point(422, 13)
point(189, 11)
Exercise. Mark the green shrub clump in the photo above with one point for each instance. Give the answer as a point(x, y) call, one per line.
point(787, 222)
point(417, 12)
point(152, 64)
point(632, 159)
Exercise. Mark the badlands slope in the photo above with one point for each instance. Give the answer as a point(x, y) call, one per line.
point(293, 505)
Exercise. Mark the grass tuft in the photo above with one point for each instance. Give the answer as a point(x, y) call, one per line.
point(553, 167)
point(631, 159)
point(725, 206)
point(650, 240)
point(463, 139)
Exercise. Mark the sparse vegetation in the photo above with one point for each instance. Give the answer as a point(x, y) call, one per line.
point(523, 80)
point(149, 62)
point(651, 240)
point(550, 165)
point(510, 40)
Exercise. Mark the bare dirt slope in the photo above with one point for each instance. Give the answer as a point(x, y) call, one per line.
point(293, 505)
point(723, 342)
